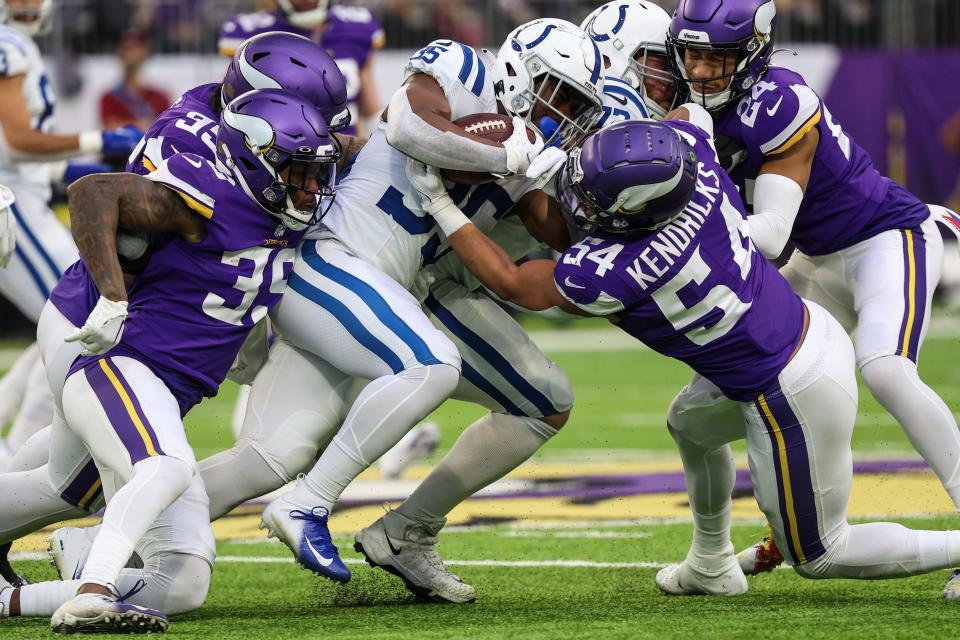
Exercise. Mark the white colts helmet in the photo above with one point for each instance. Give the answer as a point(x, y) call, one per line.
point(39, 22)
point(550, 49)
point(627, 32)
point(308, 19)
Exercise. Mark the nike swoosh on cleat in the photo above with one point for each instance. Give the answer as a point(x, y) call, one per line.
point(324, 562)
point(396, 551)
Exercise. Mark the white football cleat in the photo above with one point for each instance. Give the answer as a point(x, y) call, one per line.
point(416, 445)
point(686, 580)
point(952, 589)
point(98, 613)
point(411, 554)
point(68, 548)
point(761, 557)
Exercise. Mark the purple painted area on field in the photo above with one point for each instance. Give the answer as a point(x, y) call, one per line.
point(590, 488)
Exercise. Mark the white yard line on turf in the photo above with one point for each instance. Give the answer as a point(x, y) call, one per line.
point(472, 563)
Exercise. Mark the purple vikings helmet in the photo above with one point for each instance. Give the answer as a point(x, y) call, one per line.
point(281, 60)
point(269, 132)
point(628, 178)
point(740, 30)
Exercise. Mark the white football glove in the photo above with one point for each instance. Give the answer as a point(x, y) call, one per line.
point(544, 167)
point(520, 151)
point(8, 229)
point(428, 184)
point(103, 328)
point(434, 198)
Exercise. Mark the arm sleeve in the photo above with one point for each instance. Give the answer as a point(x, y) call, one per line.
point(776, 201)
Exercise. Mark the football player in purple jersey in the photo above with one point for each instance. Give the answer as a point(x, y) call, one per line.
point(867, 249)
point(147, 351)
point(349, 34)
point(668, 258)
point(269, 60)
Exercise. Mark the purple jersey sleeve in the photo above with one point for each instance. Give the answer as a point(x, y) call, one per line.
point(190, 125)
point(777, 116)
point(846, 200)
point(585, 276)
point(185, 173)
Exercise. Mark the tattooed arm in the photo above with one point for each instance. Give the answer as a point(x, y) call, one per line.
point(102, 203)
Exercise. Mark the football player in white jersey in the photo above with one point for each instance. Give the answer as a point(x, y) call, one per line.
point(631, 36)
point(349, 298)
point(492, 447)
point(41, 247)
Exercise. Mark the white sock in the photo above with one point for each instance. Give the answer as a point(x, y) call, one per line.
point(486, 451)
point(710, 475)
point(36, 410)
point(236, 475)
point(927, 421)
point(153, 486)
point(383, 412)
point(28, 503)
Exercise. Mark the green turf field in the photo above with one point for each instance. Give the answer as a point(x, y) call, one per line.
point(583, 578)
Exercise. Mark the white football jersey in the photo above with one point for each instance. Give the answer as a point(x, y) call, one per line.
point(620, 102)
point(19, 56)
point(377, 213)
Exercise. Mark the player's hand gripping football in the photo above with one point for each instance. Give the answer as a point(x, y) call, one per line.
point(520, 150)
point(8, 230)
point(103, 328)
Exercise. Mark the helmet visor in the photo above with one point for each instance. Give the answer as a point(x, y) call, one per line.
point(561, 111)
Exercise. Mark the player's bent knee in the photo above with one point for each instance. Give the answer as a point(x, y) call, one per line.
point(443, 378)
point(188, 590)
point(175, 474)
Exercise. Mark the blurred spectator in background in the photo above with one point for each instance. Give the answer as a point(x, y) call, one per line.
point(132, 102)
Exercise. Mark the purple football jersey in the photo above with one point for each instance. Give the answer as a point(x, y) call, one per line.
point(696, 289)
point(847, 200)
point(189, 125)
point(349, 35)
point(193, 305)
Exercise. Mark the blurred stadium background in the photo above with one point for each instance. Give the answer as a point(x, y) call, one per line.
point(887, 68)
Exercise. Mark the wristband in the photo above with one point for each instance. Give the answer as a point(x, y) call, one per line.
point(449, 218)
point(90, 142)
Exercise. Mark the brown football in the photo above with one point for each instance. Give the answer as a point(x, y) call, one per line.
point(492, 126)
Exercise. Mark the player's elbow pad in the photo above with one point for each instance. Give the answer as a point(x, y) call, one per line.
point(776, 201)
point(410, 134)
